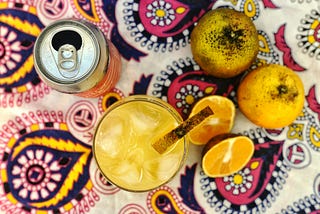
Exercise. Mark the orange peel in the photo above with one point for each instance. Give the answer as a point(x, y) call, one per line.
point(162, 144)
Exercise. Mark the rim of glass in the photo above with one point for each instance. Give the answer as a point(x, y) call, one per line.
point(156, 101)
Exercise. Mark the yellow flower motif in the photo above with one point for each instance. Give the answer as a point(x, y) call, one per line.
point(161, 13)
point(239, 182)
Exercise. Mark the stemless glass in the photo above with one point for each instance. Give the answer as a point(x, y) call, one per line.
point(122, 143)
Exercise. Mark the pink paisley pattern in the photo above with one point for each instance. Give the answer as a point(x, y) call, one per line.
point(188, 85)
point(312, 101)
point(46, 137)
point(287, 55)
point(245, 186)
point(163, 15)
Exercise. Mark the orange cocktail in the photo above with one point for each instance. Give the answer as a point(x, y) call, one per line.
point(122, 143)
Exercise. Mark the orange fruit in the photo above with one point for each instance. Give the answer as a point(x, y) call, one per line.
point(224, 42)
point(226, 154)
point(162, 144)
point(271, 96)
point(220, 122)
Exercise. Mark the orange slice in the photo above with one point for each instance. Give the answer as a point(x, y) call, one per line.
point(226, 154)
point(218, 123)
point(162, 144)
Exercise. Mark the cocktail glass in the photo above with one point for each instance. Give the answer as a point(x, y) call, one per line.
point(122, 143)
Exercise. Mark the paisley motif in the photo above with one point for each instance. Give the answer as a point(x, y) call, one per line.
point(269, 4)
point(163, 25)
point(187, 187)
point(44, 167)
point(282, 45)
point(93, 11)
point(182, 84)
point(250, 8)
point(312, 118)
point(312, 102)
point(25, 7)
point(247, 184)
point(127, 50)
point(164, 14)
point(308, 37)
point(19, 82)
point(253, 188)
point(307, 204)
point(87, 9)
point(46, 160)
point(165, 200)
point(109, 98)
point(267, 54)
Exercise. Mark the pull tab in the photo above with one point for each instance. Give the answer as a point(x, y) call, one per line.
point(67, 58)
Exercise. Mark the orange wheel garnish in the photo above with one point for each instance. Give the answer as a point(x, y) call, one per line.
point(218, 123)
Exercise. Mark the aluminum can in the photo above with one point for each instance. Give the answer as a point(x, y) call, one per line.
point(73, 56)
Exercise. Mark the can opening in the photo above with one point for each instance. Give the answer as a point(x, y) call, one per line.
point(66, 37)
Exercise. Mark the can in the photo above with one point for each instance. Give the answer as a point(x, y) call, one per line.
point(73, 56)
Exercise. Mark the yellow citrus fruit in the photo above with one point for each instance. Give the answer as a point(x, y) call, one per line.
point(271, 96)
point(226, 154)
point(220, 122)
point(224, 42)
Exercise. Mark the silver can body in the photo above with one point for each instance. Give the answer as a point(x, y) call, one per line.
point(72, 56)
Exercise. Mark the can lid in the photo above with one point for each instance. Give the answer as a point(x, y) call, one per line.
point(67, 54)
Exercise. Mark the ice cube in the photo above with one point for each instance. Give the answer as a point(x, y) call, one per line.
point(127, 173)
point(111, 137)
point(147, 116)
point(149, 170)
point(136, 156)
point(162, 168)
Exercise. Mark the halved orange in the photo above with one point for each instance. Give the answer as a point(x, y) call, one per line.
point(220, 122)
point(226, 154)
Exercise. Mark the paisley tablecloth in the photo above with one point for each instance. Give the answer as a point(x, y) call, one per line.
point(46, 162)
